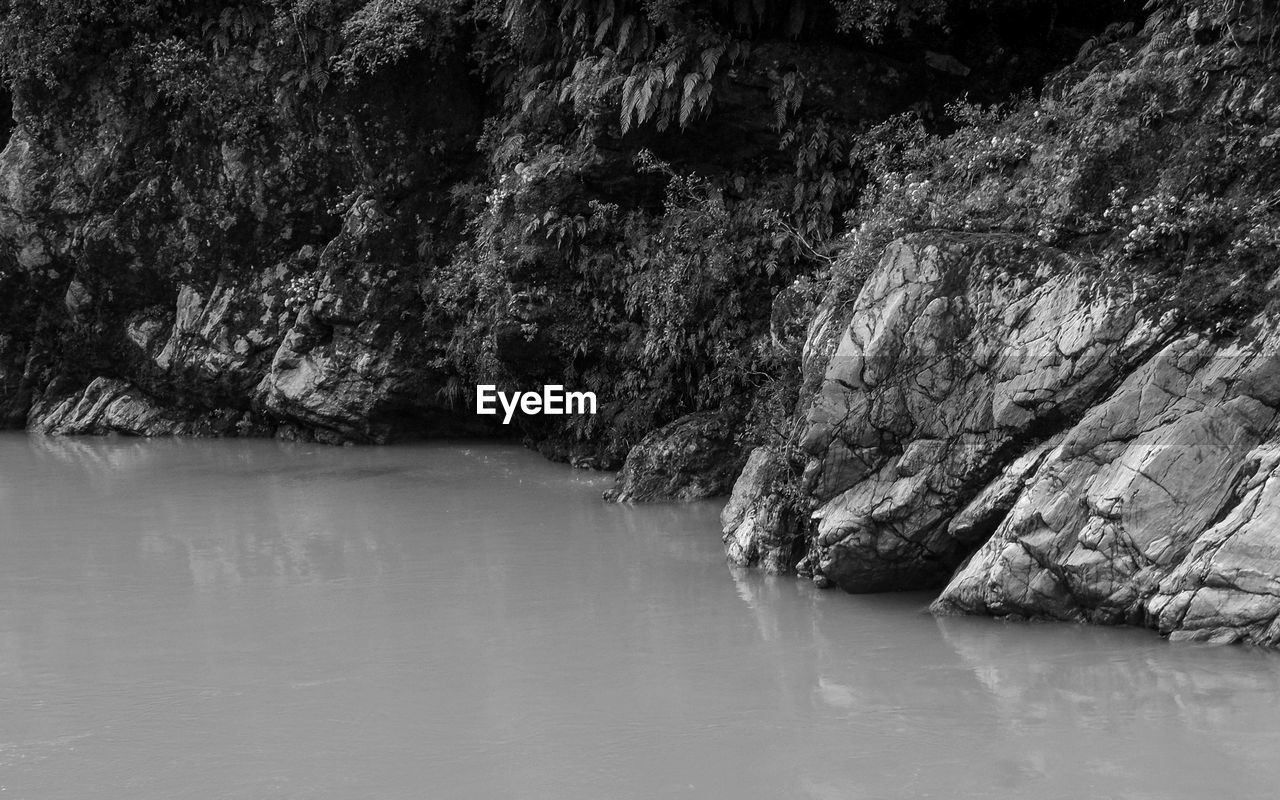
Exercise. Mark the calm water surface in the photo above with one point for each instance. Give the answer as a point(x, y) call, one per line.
point(259, 620)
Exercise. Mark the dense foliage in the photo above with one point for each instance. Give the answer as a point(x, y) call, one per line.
point(1165, 173)
point(633, 196)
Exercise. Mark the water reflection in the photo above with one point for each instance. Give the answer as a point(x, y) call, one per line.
point(257, 619)
point(954, 707)
point(1163, 721)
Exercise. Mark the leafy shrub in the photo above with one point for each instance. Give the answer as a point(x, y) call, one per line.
point(382, 33)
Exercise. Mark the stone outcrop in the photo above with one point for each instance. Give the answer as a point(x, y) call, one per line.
point(960, 356)
point(761, 523)
point(321, 344)
point(238, 282)
point(115, 406)
point(15, 388)
point(1158, 508)
point(1060, 398)
point(999, 407)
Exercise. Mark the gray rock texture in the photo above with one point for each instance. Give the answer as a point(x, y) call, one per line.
point(761, 524)
point(999, 418)
point(959, 358)
point(231, 285)
point(1158, 508)
point(318, 344)
point(115, 406)
point(1059, 397)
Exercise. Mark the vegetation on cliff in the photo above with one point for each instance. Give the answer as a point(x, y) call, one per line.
point(645, 199)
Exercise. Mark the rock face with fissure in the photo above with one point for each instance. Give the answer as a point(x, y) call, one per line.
point(961, 359)
point(999, 418)
point(1158, 508)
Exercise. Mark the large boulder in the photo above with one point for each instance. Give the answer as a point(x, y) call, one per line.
point(1060, 396)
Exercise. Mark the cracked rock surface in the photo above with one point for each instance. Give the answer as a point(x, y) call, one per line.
point(961, 359)
point(115, 406)
point(1058, 396)
point(998, 418)
point(1160, 507)
point(761, 528)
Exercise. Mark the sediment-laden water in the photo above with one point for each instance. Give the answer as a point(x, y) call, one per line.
point(250, 619)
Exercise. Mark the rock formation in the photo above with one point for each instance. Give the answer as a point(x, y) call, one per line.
point(1038, 418)
point(987, 394)
point(1158, 507)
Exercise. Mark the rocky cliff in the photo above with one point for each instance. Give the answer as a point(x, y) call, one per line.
point(1063, 400)
point(174, 269)
point(331, 220)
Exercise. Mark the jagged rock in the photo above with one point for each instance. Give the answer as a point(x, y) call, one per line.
point(976, 521)
point(345, 365)
point(1159, 507)
point(692, 458)
point(149, 289)
point(222, 338)
point(21, 168)
point(761, 527)
point(993, 394)
point(960, 355)
point(77, 298)
point(1046, 436)
point(328, 378)
point(109, 405)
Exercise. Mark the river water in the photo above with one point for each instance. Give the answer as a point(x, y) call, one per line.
point(251, 619)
